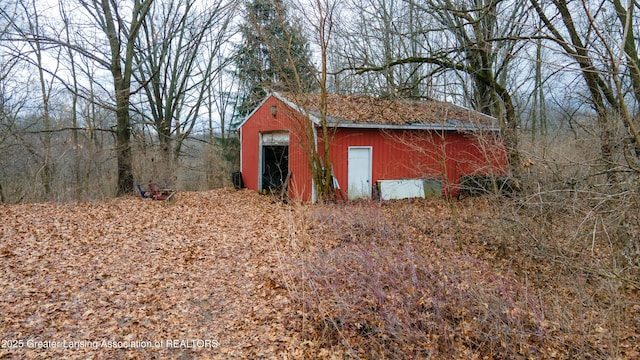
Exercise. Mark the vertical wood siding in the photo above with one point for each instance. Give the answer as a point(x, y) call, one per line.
point(262, 121)
point(411, 154)
point(397, 154)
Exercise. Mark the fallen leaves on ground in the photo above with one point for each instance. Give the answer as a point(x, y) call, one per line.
point(140, 273)
point(232, 274)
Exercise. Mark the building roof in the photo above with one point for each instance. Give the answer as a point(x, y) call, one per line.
point(369, 112)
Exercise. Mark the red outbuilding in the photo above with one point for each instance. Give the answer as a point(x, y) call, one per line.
point(378, 147)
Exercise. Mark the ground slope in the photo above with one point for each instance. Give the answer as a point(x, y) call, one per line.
point(232, 274)
point(133, 273)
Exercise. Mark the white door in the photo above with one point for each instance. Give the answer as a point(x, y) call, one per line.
point(359, 172)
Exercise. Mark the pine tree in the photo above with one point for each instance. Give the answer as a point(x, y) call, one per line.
point(274, 55)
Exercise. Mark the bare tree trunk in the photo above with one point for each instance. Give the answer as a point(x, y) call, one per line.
point(123, 141)
point(175, 75)
point(323, 173)
point(47, 165)
point(598, 89)
point(74, 100)
point(121, 68)
point(538, 109)
point(625, 15)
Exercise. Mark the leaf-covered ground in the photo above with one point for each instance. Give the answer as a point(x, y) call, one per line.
point(126, 278)
point(232, 274)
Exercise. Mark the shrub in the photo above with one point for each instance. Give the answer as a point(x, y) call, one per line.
point(372, 290)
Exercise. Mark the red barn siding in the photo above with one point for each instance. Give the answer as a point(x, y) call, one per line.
point(261, 121)
point(396, 154)
point(411, 154)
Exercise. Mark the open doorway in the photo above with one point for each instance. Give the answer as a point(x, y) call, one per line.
point(275, 162)
point(275, 167)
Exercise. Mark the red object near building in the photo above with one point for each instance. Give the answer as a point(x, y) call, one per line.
point(374, 143)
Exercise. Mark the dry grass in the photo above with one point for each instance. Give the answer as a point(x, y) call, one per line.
point(482, 278)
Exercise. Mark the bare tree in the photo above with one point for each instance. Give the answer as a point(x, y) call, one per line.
point(477, 46)
point(75, 90)
point(538, 115)
point(177, 57)
point(221, 100)
point(7, 65)
point(27, 45)
point(630, 37)
point(7, 117)
point(325, 12)
point(320, 18)
point(95, 61)
point(600, 55)
point(46, 87)
point(122, 34)
point(392, 32)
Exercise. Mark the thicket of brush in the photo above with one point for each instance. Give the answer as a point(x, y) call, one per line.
point(88, 170)
point(552, 272)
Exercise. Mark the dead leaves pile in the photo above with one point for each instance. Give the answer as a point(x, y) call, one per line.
point(232, 274)
point(140, 273)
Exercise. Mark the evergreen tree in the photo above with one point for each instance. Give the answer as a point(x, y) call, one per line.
point(274, 55)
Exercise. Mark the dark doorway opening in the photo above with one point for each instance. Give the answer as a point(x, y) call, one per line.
point(275, 167)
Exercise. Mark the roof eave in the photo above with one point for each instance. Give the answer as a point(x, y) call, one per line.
point(297, 108)
point(254, 111)
point(425, 126)
point(287, 102)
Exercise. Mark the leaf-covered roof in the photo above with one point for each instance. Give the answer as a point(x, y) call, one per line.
point(363, 111)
